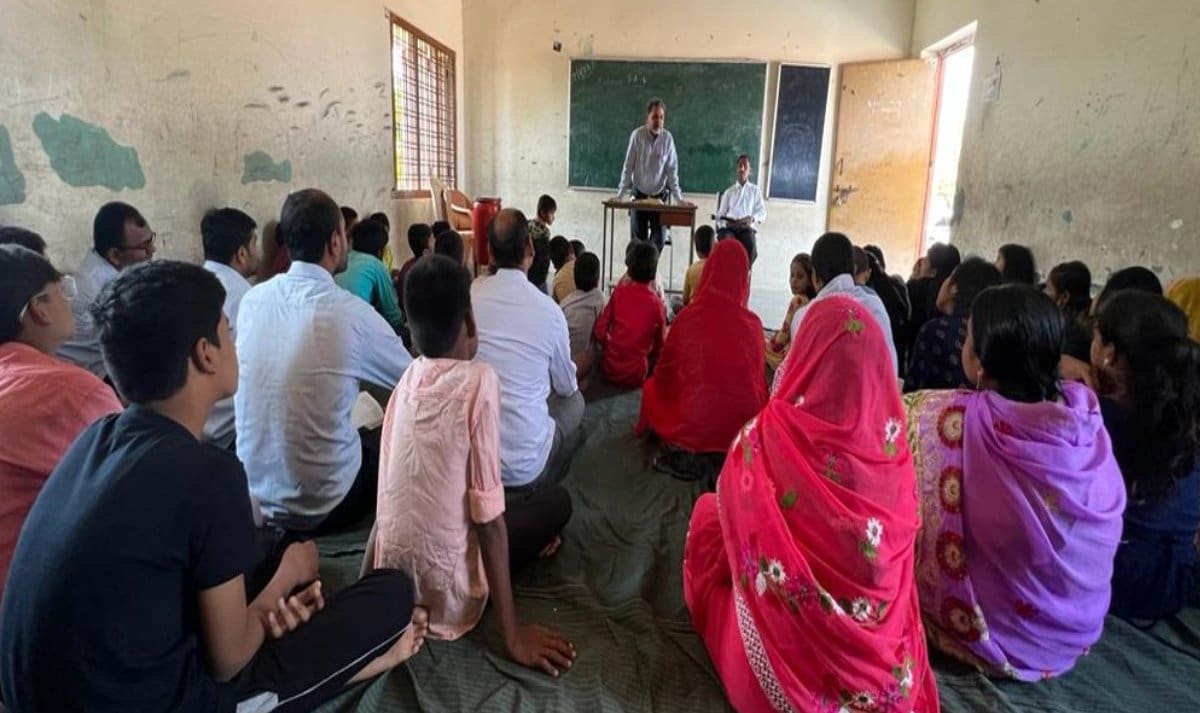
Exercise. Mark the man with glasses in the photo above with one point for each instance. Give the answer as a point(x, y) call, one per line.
point(44, 403)
point(121, 238)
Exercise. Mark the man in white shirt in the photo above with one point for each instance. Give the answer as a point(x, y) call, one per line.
point(231, 253)
point(833, 274)
point(651, 170)
point(121, 238)
point(523, 336)
point(741, 210)
point(303, 346)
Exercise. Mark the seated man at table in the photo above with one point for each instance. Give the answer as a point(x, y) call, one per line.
point(741, 210)
point(303, 346)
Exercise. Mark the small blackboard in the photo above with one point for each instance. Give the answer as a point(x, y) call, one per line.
point(803, 95)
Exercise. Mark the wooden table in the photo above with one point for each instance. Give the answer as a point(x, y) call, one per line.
point(676, 216)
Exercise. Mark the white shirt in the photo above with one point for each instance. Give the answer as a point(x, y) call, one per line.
point(83, 349)
point(845, 285)
point(219, 428)
point(742, 201)
point(303, 345)
point(651, 165)
point(523, 337)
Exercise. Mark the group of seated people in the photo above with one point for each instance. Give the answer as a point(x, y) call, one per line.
point(935, 458)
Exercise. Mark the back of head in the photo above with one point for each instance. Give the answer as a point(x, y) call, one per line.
point(108, 228)
point(1185, 292)
point(705, 235)
point(370, 237)
point(1018, 335)
point(349, 216)
point(419, 235)
point(149, 320)
point(970, 278)
point(642, 261)
point(546, 204)
point(450, 244)
point(23, 274)
point(1075, 279)
point(862, 263)
point(539, 268)
point(437, 298)
point(587, 272)
point(1130, 278)
point(309, 220)
point(560, 251)
point(12, 235)
point(439, 227)
point(382, 219)
point(578, 248)
point(508, 236)
point(943, 258)
point(1019, 265)
point(223, 231)
point(832, 255)
point(878, 253)
point(1151, 334)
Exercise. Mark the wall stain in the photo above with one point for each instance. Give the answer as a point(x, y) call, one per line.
point(275, 89)
point(255, 105)
point(329, 108)
point(260, 167)
point(283, 99)
point(84, 154)
point(12, 181)
point(178, 74)
point(1068, 217)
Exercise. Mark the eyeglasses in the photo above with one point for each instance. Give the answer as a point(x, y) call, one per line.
point(66, 285)
point(144, 246)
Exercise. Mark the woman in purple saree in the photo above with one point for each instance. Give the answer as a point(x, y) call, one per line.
point(1021, 498)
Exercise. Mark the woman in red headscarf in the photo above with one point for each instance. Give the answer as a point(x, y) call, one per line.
point(798, 572)
point(711, 376)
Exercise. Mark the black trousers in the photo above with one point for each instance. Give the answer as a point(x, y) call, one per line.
point(645, 225)
point(312, 664)
point(360, 499)
point(533, 515)
point(746, 235)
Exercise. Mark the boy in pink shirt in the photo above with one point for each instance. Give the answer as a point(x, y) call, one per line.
point(441, 514)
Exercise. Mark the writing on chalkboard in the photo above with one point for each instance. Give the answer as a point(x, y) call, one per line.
point(799, 132)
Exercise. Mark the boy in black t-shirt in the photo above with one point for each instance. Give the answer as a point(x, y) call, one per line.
point(128, 589)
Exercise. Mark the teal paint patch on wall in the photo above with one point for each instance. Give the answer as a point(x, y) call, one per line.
point(12, 181)
point(84, 154)
point(260, 167)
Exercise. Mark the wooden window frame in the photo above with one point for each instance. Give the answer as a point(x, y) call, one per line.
point(421, 36)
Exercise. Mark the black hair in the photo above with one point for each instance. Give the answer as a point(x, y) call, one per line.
point(832, 255)
point(437, 299)
point(655, 103)
point(108, 228)
point(578, 248)
point(450, 244)
point(973, 276)
point(370, 237)
point(508, 236)
point(878, 253)
point(418, 238)
point(1129, 278)
point(804, 260)
point(1019, 334)
point(742, 157)
point(560, 251)
point(705, 235)
point(1075, 279)
point(862, 262)
point(642, 261)
point(308, 220)
point(546, 204)
point(1019, 265)
point(12, 235)
point(893, 296)
point(539, 269)
point(943, 258)
point(587, 272)
point(23, 274)
point(223, 231)
point(1151, 333)
point(439, 227)
point(149, 319)
point(349, 215)
point(382, 219)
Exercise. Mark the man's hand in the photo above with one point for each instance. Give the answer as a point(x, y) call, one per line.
point(687, 204)
point(537, 646)
point(288, 614)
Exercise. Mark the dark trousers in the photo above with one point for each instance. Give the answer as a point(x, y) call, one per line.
point(645, 225)
point(360, 499)
point(312, 664)
point(746, 235)
point(533, 515)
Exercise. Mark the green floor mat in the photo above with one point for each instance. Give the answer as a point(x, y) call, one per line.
point(615, 589)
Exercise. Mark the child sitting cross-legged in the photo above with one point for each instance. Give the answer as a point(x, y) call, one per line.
point(631, 329)
point(441, 509)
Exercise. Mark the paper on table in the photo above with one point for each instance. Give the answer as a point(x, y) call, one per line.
point(367, 413)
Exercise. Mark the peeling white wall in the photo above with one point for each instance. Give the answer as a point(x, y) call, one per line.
point(188, 86)
point(1093, 149)
point(518, 88)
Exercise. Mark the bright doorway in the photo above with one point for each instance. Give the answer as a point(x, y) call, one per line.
point(954, 65)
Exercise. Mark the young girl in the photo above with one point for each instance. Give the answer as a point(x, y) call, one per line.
point(803, 290)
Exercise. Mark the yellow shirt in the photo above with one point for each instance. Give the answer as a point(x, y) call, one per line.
point(388, 258)
point(691, 281)
point(564, 281)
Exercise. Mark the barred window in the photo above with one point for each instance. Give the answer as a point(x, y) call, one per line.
point(424, 118)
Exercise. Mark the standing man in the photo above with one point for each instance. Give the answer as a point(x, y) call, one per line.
point(741, 210)
point(651, 171)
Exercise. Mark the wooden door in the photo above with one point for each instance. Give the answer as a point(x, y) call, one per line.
point(882, 155)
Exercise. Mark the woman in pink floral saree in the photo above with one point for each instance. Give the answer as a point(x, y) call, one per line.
point(798, 572)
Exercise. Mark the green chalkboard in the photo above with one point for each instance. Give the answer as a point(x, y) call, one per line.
point(714, 111)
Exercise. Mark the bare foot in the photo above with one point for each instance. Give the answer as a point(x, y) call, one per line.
point(552, 548)
point(404, 649)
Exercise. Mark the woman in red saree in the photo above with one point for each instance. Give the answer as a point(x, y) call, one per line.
point(711, 376)
point(798, 572)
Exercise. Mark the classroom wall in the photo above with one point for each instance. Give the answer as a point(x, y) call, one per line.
point(194, 89)
point(518, 87)
point(1092, 150)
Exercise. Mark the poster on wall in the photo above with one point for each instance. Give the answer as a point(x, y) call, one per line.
point(802, 97)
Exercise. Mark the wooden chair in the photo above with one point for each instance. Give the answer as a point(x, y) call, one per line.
point(455, 207)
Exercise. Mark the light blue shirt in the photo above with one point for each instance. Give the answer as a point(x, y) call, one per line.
point(651, 165)
point(83, 348)
point(219, 428)
point(845, 285)
point(303, 346)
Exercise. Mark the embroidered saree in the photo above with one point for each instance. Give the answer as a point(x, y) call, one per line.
point(1021, 510)
point(798, 572)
